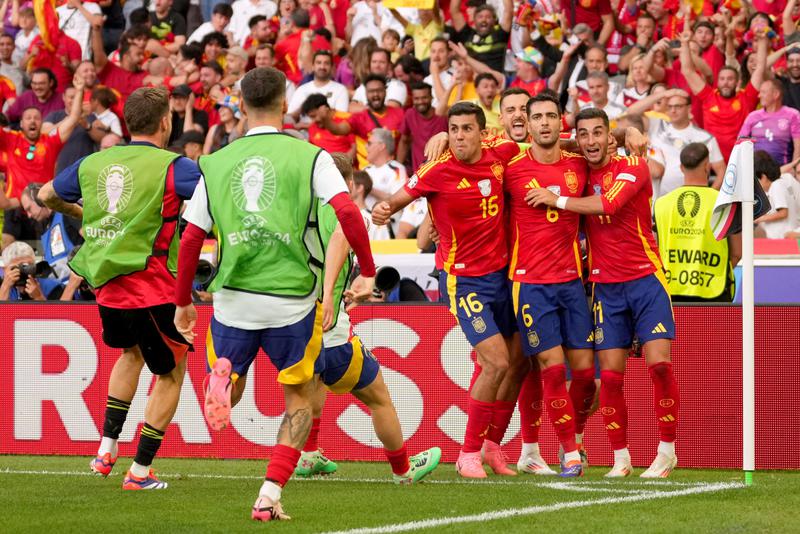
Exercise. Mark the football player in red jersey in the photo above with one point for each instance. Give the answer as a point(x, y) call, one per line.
point(545, 268)
point(464, 188)
point(630, 293)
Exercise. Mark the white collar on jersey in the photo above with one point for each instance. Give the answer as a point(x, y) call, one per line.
point(261, 130)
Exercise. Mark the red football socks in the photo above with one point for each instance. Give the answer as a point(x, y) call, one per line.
point(479, 417)
point(282, 464)
point(503, 410)
point(581, 391)
point(398, 460)
point(666, 400)
point(559, 405)
point(613, 408)
point(530, 405)
point(312, 443)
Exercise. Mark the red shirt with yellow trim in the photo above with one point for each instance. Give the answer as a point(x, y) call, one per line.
point(466, 204)
point(621, 242)
point(329, 141)
point(544, 241)
point(723, 117)
point(7, 90)
point(20, 169)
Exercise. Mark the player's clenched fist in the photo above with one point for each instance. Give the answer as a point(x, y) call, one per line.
point(381, 213)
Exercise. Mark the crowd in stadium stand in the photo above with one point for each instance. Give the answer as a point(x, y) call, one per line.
point(375, 83)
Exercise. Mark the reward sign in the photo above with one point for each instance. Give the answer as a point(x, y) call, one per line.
point(416, 4)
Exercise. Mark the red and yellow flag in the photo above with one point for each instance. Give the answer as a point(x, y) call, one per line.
point(47, 19)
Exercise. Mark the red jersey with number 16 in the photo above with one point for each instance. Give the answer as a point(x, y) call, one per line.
point(544, 241)
point(466, 204)
point(621, 242)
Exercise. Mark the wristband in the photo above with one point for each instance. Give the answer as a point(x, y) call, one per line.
point(561, 203)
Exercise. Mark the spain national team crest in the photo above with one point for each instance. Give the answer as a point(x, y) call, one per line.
point(485, 187)
point(479, 325)
point(533, 339)
point(572, 181)
point(607, 179)
point(497, 170)
point(736, 105)
point(598, 335)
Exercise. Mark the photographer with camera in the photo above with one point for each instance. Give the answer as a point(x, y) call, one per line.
point(22, 276)
point(60, 233)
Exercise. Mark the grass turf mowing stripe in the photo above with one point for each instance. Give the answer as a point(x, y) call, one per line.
point(532, 510)
point(568, 486)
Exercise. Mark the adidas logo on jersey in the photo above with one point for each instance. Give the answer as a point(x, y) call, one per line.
point(533, 184)
point(659, 329)
point(463, 184)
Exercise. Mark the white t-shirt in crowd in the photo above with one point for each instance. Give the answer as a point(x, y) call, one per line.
point(446, 77)
point(336, 93)
point(250, 311)
point(22, 43)
point(395, 90)
point(612, 109)
point(784, 193)
point(243, 11)
point(364, 23)
point(670, 141)
point(387, 178)
point(74, 24)
point(110, 120)
point(203, 30)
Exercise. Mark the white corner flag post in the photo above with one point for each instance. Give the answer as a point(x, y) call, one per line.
point(738, 189)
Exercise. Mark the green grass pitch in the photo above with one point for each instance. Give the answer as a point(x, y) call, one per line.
point(57, 495)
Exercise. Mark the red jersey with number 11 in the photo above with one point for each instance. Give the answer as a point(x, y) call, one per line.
point(466, 204)
point(621, 242)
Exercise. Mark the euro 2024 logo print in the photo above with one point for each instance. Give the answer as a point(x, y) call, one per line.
point(253, 187)
point(114, 193)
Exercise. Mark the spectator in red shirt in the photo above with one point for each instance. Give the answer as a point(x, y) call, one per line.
point(8, 92)
point(31, 156)
point(704, 37)
point(668, 26)
point(318, 135)
point(128, 76)
point(377, 115)
point(208, 91)
point(296, 49)
point(724, 109)
point(42, 96)
point(596, 13)
point(62, 61)
point(420, 123)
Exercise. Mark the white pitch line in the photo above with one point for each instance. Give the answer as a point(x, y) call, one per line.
point(566, 486)
point(531, 510)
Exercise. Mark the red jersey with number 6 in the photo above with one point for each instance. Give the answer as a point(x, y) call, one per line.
point(466, 204)
point(544, 241)
point(621, 242)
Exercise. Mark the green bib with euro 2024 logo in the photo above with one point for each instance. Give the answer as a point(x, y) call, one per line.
point(327, 225)
point(697, 265)
point(123, 196)
point(261, 198)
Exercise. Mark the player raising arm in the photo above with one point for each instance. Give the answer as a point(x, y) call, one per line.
point(630, 294)
point(464, 188)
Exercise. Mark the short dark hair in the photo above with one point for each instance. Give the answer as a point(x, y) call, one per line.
point(215, 37)
point(344, 164)
point(264, 88)
point(513, 91)
point(326, 53)
point(468, 108)
point(484, 76)
point(213, 65)
point(301, 18)
point(591, 113)
point(732, 69)
point(600, 48)
point(693, 155)
point(486, 7)
point(140, 15)
point(51, 77)
point(544, 97)
point(314, 101)
point(192, 52)
point(421, 86)
point(255, 19)
point(223, 9)
point(105, 96)
point(144, 109)
point(703, 24)
point(135, 32)
point(777, 85)
point(411, 65)
point(375, 78)
point(362, 178)
point(763, 164)
point(646, 15)
point(442, 40)
point(32, 190)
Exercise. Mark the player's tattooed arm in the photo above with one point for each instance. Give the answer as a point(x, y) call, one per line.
point(295, 427)
point(49, 197)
